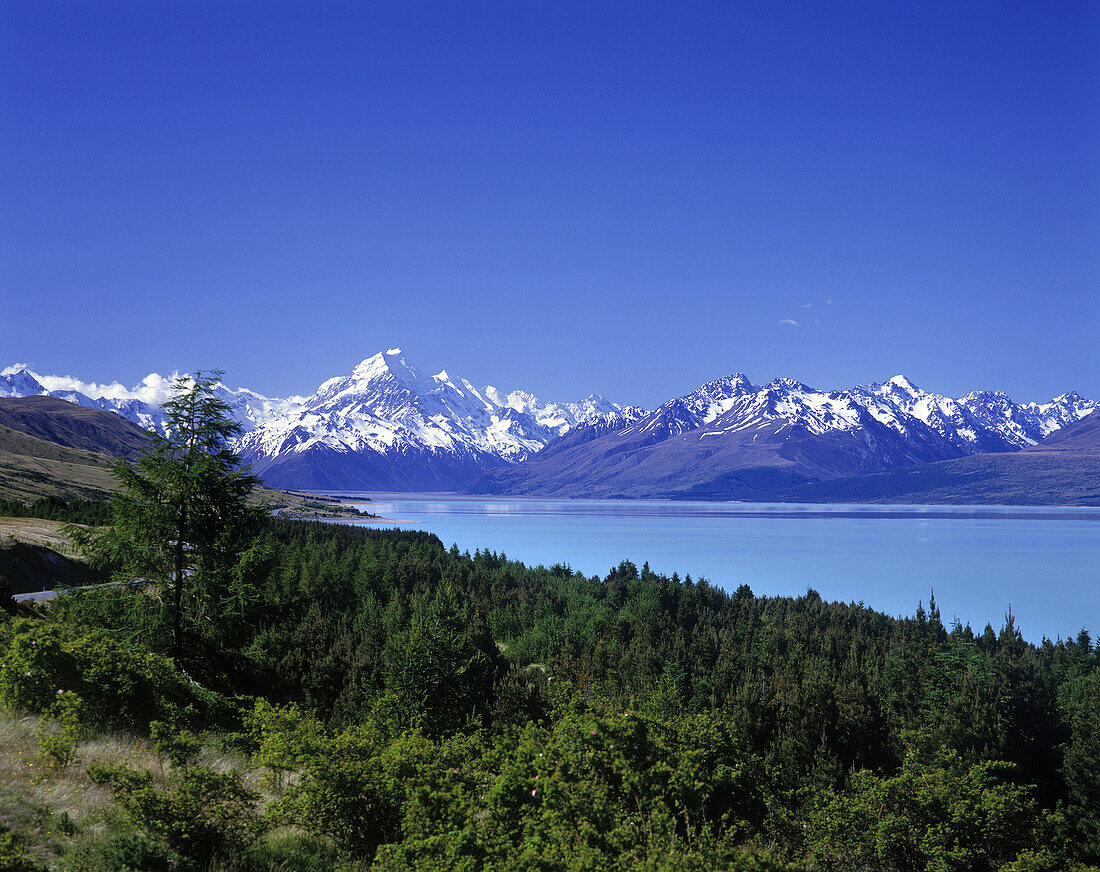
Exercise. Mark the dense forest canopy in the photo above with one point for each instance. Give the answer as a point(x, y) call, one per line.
point(416, 707)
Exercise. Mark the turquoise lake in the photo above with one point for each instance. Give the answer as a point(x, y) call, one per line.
point(1042, 563)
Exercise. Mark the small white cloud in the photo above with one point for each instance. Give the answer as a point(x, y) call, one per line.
point(788, 322)
point(14, 368)
point(828, 302)
point(807, 305)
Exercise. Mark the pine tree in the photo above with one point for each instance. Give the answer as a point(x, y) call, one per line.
point(181, 518)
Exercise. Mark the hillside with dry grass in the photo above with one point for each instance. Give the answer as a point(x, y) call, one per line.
point(56, 817)
point(31, 468)
point(74, 426)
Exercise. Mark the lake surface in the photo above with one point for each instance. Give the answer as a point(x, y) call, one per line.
point(1042, 563)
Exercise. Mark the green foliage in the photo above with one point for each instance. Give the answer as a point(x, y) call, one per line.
point(119, 685)
point(57, 747)
point(437, 676)
point(348, 793)
point(1082, 771)
point(584, 791)
point(180, 518)
point(12, 859)
point(422, 708)
point(285, 739)
point(126, 852)
point(178, 744)
point(939, 815)
point(292, 852)
point(200, 815)
point(94, 513)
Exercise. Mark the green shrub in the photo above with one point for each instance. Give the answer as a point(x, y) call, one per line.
point(349, 795)
point(284, 738)
point(202, 814)
point(11, 857)
point(179, 745)
point(937, 813)
point(129, 852)
point(121, 684)
point(57, 747)
point(292, 852)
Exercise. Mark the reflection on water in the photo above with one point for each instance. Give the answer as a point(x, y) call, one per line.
point(981, 561)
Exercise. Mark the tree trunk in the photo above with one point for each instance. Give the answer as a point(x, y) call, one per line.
point(177, 593)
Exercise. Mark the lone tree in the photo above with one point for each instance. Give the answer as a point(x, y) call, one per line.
point(181, 517)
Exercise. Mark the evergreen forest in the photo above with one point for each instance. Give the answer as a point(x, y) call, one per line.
point(396, 705)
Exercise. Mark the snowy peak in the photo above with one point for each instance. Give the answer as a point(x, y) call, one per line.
point(386, 407)
point(789, 386)
point(901, 383)
point(368, 428)
point(982, 421)
point(385, 371)
point(17, 381)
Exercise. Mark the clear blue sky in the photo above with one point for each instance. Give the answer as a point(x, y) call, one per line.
point(628, 198)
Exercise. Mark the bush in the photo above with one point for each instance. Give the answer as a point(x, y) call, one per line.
point(122, 685)
point(284, 738)
point(349, 794)
point(124, 853)
point(202, 815)
point(57, 747)
point(11, 858)
point(937, 813)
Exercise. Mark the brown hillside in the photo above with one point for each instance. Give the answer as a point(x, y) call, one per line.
point(72, 426)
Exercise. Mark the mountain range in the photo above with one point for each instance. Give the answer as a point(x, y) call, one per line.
point(388, 426)
point(731, 439)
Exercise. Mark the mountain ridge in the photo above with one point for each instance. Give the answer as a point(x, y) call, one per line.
point(731, 439)
point(386, 425)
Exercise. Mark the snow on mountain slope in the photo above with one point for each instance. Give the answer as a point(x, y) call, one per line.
point(18, 381)
point(385, 414)
point(388, 424)
point(385, 404)
point(733, 438)
point(141, 403)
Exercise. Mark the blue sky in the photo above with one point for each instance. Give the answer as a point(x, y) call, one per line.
point(625, 198)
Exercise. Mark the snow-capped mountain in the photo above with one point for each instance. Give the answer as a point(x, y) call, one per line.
point(19, 381)
point(733, 438)
point(387, 425)
point(980, 421)
point(384, 425)
point(140, 404)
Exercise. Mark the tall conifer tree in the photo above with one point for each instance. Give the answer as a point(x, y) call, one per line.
point(181, 517)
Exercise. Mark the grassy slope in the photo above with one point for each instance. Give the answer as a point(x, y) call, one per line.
point(31, 468)
point(57, 809)
point(35, 555)
point(74, 426)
